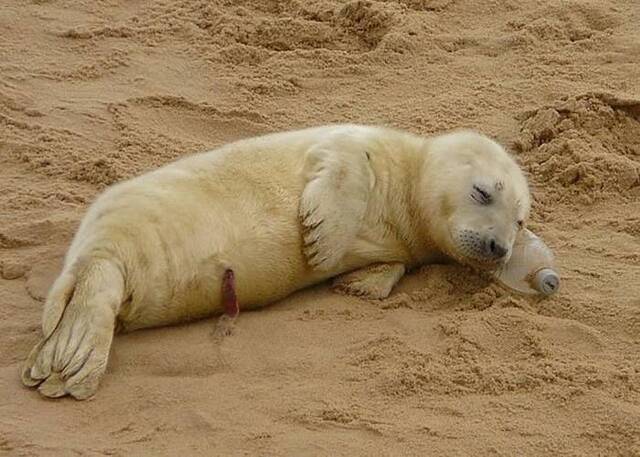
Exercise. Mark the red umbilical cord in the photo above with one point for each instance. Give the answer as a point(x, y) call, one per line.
point(229, 298)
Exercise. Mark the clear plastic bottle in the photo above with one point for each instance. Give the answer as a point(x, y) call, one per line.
point(531, 268)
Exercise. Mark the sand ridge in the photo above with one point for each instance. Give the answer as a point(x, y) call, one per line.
point(92, 92)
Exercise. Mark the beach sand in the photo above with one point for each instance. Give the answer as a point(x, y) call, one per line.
point(92, 92)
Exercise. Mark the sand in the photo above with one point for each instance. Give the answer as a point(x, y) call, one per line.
point(92, 92)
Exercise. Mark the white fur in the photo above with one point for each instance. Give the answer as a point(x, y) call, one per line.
point(283, 211)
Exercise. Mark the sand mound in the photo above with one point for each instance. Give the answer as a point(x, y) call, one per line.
point(451, 364)
point(584, 148)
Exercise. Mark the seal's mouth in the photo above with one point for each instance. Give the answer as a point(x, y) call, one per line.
point(477, 250)
point(479, 264)
point(472, 254)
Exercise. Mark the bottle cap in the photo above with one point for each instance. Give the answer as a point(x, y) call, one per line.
point(546, 281)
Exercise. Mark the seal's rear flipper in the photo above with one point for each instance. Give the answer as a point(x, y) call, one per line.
point(78, 326)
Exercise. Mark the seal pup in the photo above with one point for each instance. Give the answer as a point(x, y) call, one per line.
point(257, 219)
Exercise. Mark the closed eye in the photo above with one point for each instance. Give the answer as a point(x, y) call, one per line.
point(481, 196)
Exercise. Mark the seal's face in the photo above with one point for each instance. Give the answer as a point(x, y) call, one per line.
point(483, 201)
point(487, 216)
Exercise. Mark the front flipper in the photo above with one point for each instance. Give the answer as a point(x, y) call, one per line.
point(334, 201)
point(375, 281)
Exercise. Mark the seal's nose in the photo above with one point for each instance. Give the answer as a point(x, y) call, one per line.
point(494, 249)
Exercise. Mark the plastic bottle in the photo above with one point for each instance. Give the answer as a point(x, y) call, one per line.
point(531, 268)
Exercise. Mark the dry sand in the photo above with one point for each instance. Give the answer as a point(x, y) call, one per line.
point(94, 91)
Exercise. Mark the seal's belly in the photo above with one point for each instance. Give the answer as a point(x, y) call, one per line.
point(186, 256)
point(265, 271)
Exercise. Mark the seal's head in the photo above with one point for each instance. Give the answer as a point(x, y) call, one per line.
point(477, 198)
